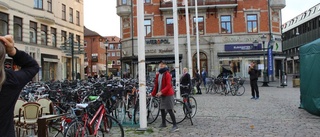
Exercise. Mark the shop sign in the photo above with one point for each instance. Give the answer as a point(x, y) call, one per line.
point(165, 50)
point(157, 41)
point(151, 51)
point(241, 47)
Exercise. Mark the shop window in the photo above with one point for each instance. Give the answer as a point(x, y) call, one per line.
point(226, 24)
point(33, 32)
point(3, 24)
point(169, 27)
point(17, 28)
point(252, 23)
point(200, 21)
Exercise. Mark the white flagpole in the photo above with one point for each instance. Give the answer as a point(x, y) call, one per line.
point(186, 7)
point(197, 33)
point(142, 65)
point(176, 46)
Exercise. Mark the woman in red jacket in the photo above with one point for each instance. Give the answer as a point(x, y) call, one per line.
point(163, 89)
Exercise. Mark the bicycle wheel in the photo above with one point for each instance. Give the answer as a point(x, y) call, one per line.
point(178, 112)
point(120, 111)
point(76, 129)
point(233, 90)
point(110, 126)
point(240, 90)
point(153, 110)
point(193, 105)
point(136, 113)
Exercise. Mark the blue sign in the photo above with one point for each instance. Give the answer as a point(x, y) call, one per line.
point(270, 59)
point(241, 47)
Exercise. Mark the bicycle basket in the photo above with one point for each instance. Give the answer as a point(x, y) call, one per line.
point(241, 82)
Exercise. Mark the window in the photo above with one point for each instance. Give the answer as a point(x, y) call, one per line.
point(147, 27)
point(252, 23)
point(113, 54)
point(78, 40)
point(124, 2)
point(147, 1)
point(226, 24)
point(118, 53)
point(44, 36)
point(64, 12)
point(33, 32)
point(17, 28)
point(119, 46)
point(111, 46)
point(108, 54)
point(70, 15)
point(169, 27)
point(54, 37)
point(85, 43)
point(38, 4)
point(63, 36)
point(49, 5)
point(3, 24)
point(113, 62)
point(78, 17)
point(200, 25)
point(118, 62)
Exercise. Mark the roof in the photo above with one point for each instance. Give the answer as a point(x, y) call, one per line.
point(88, 32)
point(112, 39)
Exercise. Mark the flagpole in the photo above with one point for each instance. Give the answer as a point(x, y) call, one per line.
point(197, 33)
point(186, 7)
point(142, 65)
point(176, 46)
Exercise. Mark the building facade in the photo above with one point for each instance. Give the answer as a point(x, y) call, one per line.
point(114, 49)
point(227, 30)
point(298, 31)
point(41, 28)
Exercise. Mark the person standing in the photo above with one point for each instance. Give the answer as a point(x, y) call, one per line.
point(204, 76)
point(198, 82)
point(185, 82)
point(163, 89)
point(253, 72)
point(12, 82)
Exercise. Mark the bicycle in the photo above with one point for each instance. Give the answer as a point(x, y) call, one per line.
point(188, 106)
point(97, 125)
point(238, 88)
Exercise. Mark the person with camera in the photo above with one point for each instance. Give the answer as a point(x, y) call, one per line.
point(253, 72)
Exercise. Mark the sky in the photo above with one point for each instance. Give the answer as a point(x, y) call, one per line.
point(101, 15)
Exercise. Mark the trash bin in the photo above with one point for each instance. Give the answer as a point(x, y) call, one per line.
point(296, 80)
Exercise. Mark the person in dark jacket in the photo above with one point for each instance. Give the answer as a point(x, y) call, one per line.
point(198, 82)
point(253, 72)
point(204, 76)
point(12, 82)
point(185, 82)
point(163, 89)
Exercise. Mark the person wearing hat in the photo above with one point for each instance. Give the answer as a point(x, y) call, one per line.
point(163, 89)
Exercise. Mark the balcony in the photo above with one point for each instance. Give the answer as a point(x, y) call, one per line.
point(202, 4)
point(124, 7)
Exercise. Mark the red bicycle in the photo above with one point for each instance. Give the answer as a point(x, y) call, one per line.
point(100, 124)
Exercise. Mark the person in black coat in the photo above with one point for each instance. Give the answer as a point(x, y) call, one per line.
point(253, 72)
point(198, 81)
point(185, 82)
point(13, 82)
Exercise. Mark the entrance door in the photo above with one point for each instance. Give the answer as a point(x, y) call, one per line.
point(203, 62)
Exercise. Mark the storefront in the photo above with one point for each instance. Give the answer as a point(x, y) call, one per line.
point(49, 64)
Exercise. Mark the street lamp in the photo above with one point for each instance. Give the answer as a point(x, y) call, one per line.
point(106, 44)
point(265, 73)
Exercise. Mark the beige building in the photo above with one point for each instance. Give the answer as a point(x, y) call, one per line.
point(40, 28)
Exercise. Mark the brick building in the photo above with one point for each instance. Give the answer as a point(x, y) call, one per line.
point(114, 62)
point(227, 31)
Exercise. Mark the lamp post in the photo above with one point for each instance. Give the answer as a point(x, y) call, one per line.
point(106, 44)
point(265, 73)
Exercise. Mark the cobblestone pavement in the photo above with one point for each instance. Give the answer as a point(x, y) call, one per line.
point(275, 114)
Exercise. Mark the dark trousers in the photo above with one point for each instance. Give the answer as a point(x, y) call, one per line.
point(254, 88)
point(198, 87)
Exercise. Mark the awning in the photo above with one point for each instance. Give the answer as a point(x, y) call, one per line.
point(153, 59)
point(50, 60)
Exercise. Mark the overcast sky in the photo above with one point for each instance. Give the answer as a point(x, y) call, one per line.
point(101, 15)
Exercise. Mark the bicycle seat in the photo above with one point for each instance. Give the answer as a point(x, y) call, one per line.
point(82, 106)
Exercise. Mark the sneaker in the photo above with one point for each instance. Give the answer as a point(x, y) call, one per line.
point(257, 98)
point(253, 98)
point(174, 129)
point(162, 126)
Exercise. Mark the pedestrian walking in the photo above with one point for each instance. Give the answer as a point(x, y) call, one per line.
point(198, 82)
point(185, 82)
point(12, 82)
point(204, 76)
point(163, 89)
point(253, 72)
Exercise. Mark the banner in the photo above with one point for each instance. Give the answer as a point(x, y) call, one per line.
point(270, 59)
point(242, 47)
